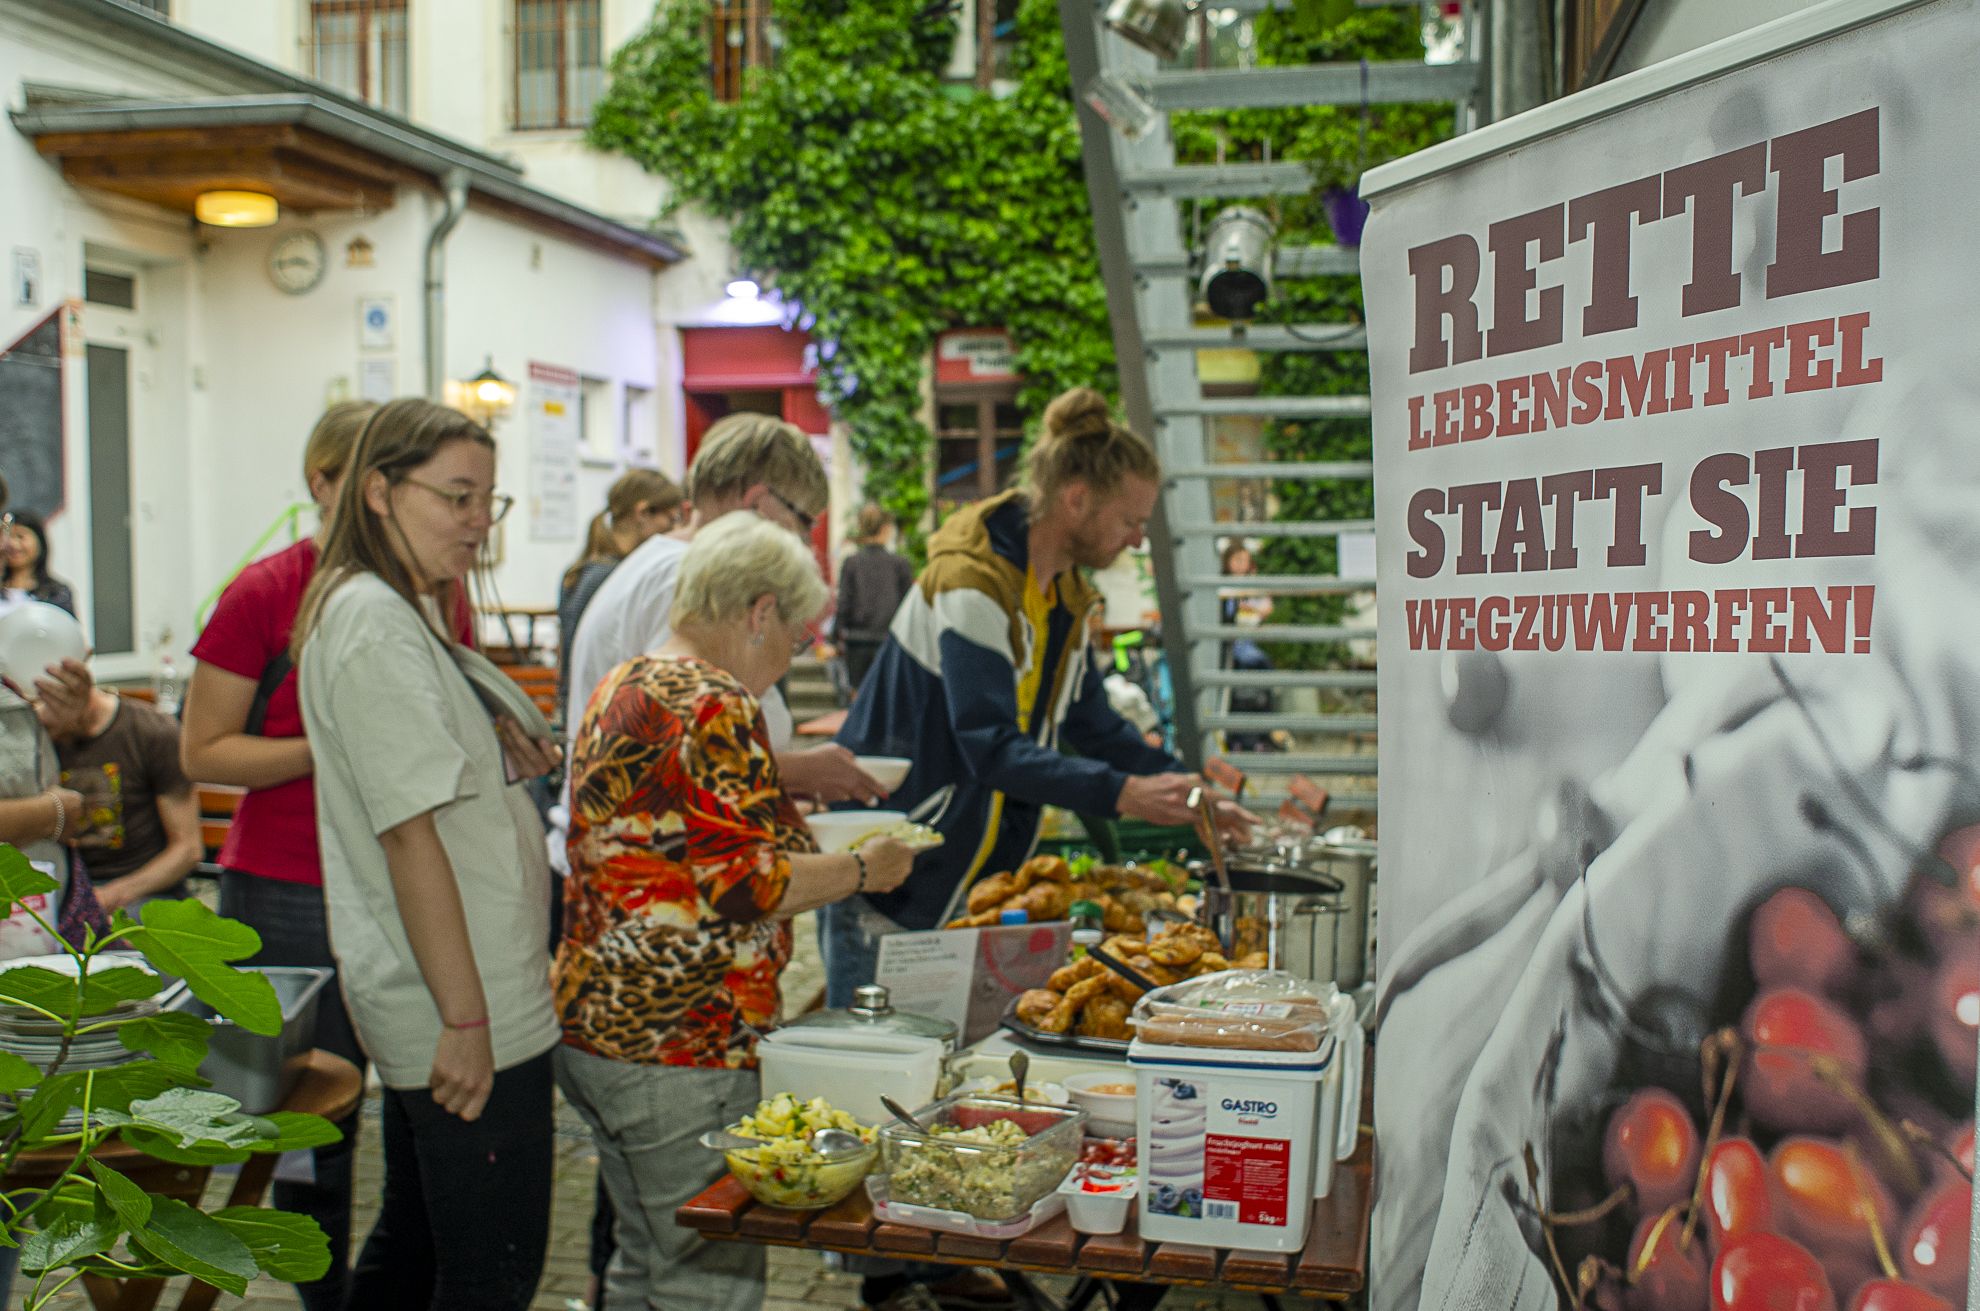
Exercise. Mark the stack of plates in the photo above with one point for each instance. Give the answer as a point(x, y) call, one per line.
point(38, 1040)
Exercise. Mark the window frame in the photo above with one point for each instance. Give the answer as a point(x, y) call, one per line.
point(984, 398)
point(369, 79)
point(727, 75)
point(566, 117)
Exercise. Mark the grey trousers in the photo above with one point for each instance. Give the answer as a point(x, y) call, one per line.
point(644, 1120)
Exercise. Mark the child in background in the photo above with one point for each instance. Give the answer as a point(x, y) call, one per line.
point(139, 834)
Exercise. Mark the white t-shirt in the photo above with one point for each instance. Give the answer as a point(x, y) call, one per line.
point(396, 731)
point(632, 615)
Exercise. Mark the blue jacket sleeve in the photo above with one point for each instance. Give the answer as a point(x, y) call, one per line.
point(980, 689)
point(1097, 730)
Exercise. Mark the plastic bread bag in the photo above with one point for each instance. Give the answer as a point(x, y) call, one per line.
point(1249, 1010)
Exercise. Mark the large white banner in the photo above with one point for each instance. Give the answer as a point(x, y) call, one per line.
point(1678, 482)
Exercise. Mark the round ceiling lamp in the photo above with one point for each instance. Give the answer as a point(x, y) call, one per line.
point(236, 209)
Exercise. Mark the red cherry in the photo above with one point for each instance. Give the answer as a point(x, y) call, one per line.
point(1790, 1033)
point(1738, 1192)
point(1896, 1295)
point(1954, 1019)
point(1652, 1145)
point(1663, 1276)
point(1935, 1246)
point(1796, 940)
point(1825, 1198)
point(1765, 1272)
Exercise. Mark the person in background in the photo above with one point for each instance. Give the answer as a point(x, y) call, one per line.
point(872, 582)
point(24, 550)
point(244, 728)
point(140, 832)
point(1244, 653)
point(687, 862)
point(434, 871)
point(641, 502)
point(747, 461)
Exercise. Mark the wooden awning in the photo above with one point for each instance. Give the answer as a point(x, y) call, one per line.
point(303, 169)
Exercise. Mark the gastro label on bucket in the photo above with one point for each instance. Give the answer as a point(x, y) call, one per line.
point(1246, 1179)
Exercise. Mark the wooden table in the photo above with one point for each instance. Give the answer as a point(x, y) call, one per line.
point(330, 1087)
point(1332, 1265)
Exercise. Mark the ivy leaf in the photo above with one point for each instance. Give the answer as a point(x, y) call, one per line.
point(173, 1037)
point(196, 1243)
point(16, 1074)
point(18, 879)
point(189, 940)
point(131, 1203)
point(66, 1241)
point(288, 1247)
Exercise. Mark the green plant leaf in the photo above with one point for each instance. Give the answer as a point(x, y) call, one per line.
point(190, 1116)
point(51, 1101)
point(172, 1037)
point(16, 1074)
point(131, 1203)
point(165, 1147)
point(288, 1247)
point(294, 1131)
point(54, 992)
point(196, 1243)
point(115, 1088)
point(189, 940)
point(18, 879)
point(66, 1241)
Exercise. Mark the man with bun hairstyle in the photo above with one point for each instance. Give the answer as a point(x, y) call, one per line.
point(984, 672)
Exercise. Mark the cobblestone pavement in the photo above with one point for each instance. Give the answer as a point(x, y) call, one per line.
point(798, 1281)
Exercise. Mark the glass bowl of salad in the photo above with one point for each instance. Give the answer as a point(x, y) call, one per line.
point(786, 1171)
point(987, 1156)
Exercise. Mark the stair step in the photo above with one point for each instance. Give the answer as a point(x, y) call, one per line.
point(1354, 680)
point(1272, 407)
point(1241, 722)
point(1263, 337)
point(1180, 181)
point(1335, 470)
point(1287, 262)
point(1285, 86)
point(1282, 633)
point(1274, 528)
point(1277, 584)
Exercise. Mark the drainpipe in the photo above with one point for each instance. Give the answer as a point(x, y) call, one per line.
point(456, 185)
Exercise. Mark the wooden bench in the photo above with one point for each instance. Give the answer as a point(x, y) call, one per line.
point(540, 681)
point(217, 806)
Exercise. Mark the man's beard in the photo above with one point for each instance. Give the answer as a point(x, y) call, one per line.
point(1089, 552)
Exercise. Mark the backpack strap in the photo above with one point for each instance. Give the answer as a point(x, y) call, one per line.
point(271, 678)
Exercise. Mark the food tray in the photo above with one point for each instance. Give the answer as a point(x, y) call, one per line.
point(888, 1211)
point(998, 1182)
point(1116, 1047)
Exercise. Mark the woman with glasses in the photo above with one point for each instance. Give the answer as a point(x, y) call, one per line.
point(24, 553)
point(434, 871)
point(687, 863)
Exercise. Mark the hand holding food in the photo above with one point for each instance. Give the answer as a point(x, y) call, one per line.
point(888, 864)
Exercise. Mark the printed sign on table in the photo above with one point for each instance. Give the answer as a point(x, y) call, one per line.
point(1677, 452)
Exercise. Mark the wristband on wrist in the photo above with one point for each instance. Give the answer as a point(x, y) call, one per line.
point(481, 1023)
point(61, 815)
point(862, 871)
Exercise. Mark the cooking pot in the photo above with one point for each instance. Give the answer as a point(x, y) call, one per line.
point(1308, 913)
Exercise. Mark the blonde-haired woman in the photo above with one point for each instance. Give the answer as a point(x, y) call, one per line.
point(434, 871)
point(687, 863)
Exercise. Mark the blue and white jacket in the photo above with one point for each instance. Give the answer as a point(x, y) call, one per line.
point(976, 689)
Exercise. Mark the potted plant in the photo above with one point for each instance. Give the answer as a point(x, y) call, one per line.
point(91, 1219)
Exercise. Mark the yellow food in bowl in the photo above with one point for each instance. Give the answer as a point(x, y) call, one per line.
point(785, 1171)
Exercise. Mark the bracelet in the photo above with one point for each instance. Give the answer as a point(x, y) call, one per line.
point(61, 815)
point(481, 1023)
point(862, 871)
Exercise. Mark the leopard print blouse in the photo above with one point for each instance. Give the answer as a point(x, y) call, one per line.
point(678, 845)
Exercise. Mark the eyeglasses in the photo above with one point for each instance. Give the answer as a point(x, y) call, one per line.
point(466, 503)
point(806, 522)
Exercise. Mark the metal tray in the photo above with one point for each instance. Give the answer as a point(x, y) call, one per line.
point(1116, 1047)
point(259, 1071)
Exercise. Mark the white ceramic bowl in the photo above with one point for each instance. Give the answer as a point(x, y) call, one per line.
point(888, 771)
point(837, 830)
point(1108, 1114)
point(35, 635)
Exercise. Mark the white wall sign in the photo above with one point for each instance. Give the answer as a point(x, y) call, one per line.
point(985, 354)
point(1676, 468)
point(554, 441)
point(378, 378)
point(377, 324)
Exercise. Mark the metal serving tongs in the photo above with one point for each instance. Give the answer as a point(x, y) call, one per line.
point(1205, 806)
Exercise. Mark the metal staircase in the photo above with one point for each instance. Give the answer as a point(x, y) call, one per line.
point(1134, 187)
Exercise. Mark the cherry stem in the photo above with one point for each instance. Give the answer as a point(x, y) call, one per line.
point(1588, 1277)
point(1866, 1202)
point(1546, 1228)
point(1657, 1229)
point(1830, 1071)
point(1921, 1138)
point(1588, 1215)
point(1717, 1052)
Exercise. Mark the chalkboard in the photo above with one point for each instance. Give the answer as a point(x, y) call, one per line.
point(31, 418)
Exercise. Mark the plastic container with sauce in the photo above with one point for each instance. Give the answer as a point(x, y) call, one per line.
point(1098, 1200)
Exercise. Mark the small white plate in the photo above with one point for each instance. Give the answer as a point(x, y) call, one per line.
point(888, 771)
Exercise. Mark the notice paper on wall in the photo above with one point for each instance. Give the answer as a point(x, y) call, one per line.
point(553, 453)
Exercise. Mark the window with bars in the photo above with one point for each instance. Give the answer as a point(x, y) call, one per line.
point(163, 8)
point(360, 48)
point(560, 62)
point(742, 35)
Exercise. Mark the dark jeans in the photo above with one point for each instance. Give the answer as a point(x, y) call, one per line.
point(466, 1213)
point(295, 930)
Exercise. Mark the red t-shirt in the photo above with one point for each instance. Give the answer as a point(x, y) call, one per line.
point(274, 831)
